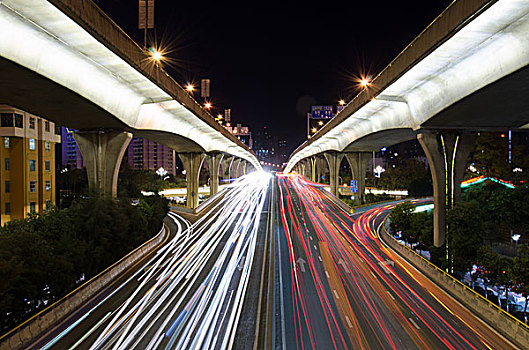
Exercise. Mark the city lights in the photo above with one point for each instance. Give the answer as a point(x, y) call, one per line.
point(208, 105)
point(190, 88)
point(320, 123)
point(156, 55)
point(314, 130)
point(341, 102)
point(364, 82)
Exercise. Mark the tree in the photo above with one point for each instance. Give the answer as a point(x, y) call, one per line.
point(401, 217)
point(519, 274)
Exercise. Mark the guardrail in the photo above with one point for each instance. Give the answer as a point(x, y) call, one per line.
point(22, 335)
point(505, 323)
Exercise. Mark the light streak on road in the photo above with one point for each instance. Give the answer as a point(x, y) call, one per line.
point(345, 289)
point(190, 295)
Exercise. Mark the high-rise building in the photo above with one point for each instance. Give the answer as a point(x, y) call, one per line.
point(146, 154)
point(71, 157)
point(27, 157)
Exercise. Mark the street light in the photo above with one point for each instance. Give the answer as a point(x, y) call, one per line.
point(314, 130)
point(320, 123)
point(515, 237)
point(190, 88)
point(156, 55)
point(341, 102)
point(364, 82)
point(207, 105)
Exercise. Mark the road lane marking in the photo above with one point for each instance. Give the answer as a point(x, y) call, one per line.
point(348, 322)
point(413, 322)
point(327, 274)
point(319, 257)
point(372, 274)
point(392, 297)
point(315, 247)
point(336, 294)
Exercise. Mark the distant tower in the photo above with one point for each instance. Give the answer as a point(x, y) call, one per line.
point(145, 17)
point(204, 88)
point(227, 115)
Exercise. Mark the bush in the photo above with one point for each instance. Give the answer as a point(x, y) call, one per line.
point(43, 257)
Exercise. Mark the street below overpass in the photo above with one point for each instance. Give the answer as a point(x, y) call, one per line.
point(273, 263)
point(336, 285)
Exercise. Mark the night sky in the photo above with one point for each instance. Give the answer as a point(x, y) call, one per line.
point(270, 61)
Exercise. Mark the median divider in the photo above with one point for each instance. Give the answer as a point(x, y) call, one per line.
point(25, 333)
point(497, 318)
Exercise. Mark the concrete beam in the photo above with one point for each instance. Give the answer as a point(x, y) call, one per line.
point(192, 163)
point(333, 160)
point(358, 162)
point(447, 153)
point(102, 153)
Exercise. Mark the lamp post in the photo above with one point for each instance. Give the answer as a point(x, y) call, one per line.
point(515, 237)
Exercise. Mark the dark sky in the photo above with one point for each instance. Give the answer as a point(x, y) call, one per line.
point(270, 61)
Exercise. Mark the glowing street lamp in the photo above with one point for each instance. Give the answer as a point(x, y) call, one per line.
point(219, 117)
point(314, 130)
point(341, 102)
point(320, 123)
point(208, 105)
point(156, 55)
point(364, 82)
point(515, 237)
point(190, 88)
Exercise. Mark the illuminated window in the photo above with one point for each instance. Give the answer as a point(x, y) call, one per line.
point(32, 186)
point(31, 165)
point(48, 185)
point(47, 165)
point(32, 144)
point(31, 123)
point(6, 142)
point(47, 146)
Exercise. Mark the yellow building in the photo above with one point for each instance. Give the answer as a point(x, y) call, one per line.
point(27, 163)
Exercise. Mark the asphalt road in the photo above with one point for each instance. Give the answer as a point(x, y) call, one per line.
point(189, 293)
point(338, 286)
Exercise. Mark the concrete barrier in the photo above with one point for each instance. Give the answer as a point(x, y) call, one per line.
point(25, 333)
point(504, 323)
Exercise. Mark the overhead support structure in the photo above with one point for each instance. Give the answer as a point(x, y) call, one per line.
point(226, 165)
point(333, 160)
point(103, 151)
point(312, 162)
point(236, 164)
point(214, 160)
point(192, 163)
point(447, 153)
point(358, 162)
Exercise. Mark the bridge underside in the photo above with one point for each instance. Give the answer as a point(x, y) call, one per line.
point(500, 105)
point(32, 92)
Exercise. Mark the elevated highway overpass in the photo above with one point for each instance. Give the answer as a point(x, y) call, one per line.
point(66, 61)
point(466, 72)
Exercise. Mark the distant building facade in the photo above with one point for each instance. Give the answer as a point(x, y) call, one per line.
point(27, 157)
point(243, 133)
point(71, 157)
point(144, 154)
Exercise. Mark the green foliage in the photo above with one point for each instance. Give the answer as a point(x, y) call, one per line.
point(43, 257)
point(401, 217)
point(411, 175)
point(519, 272)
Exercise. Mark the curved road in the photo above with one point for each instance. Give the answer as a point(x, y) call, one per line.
point(338, 286)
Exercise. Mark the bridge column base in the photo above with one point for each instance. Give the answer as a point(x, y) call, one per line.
point(103, 152)
point(312, 162)
point(447, 153)
point(214, 160)
point(192, 163)
point(334, 159)
point(358, 162)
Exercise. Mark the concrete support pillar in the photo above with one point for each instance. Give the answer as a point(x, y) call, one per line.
point(192, 163)
point(312, 162)
point(307, 171)
point(447, 153)
point(214, 160)
point(244, 166)
point(226, 163)
point(236, 165)
point(333, 160)
point(358, 162)
point(102, 153)
point(320, 168)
